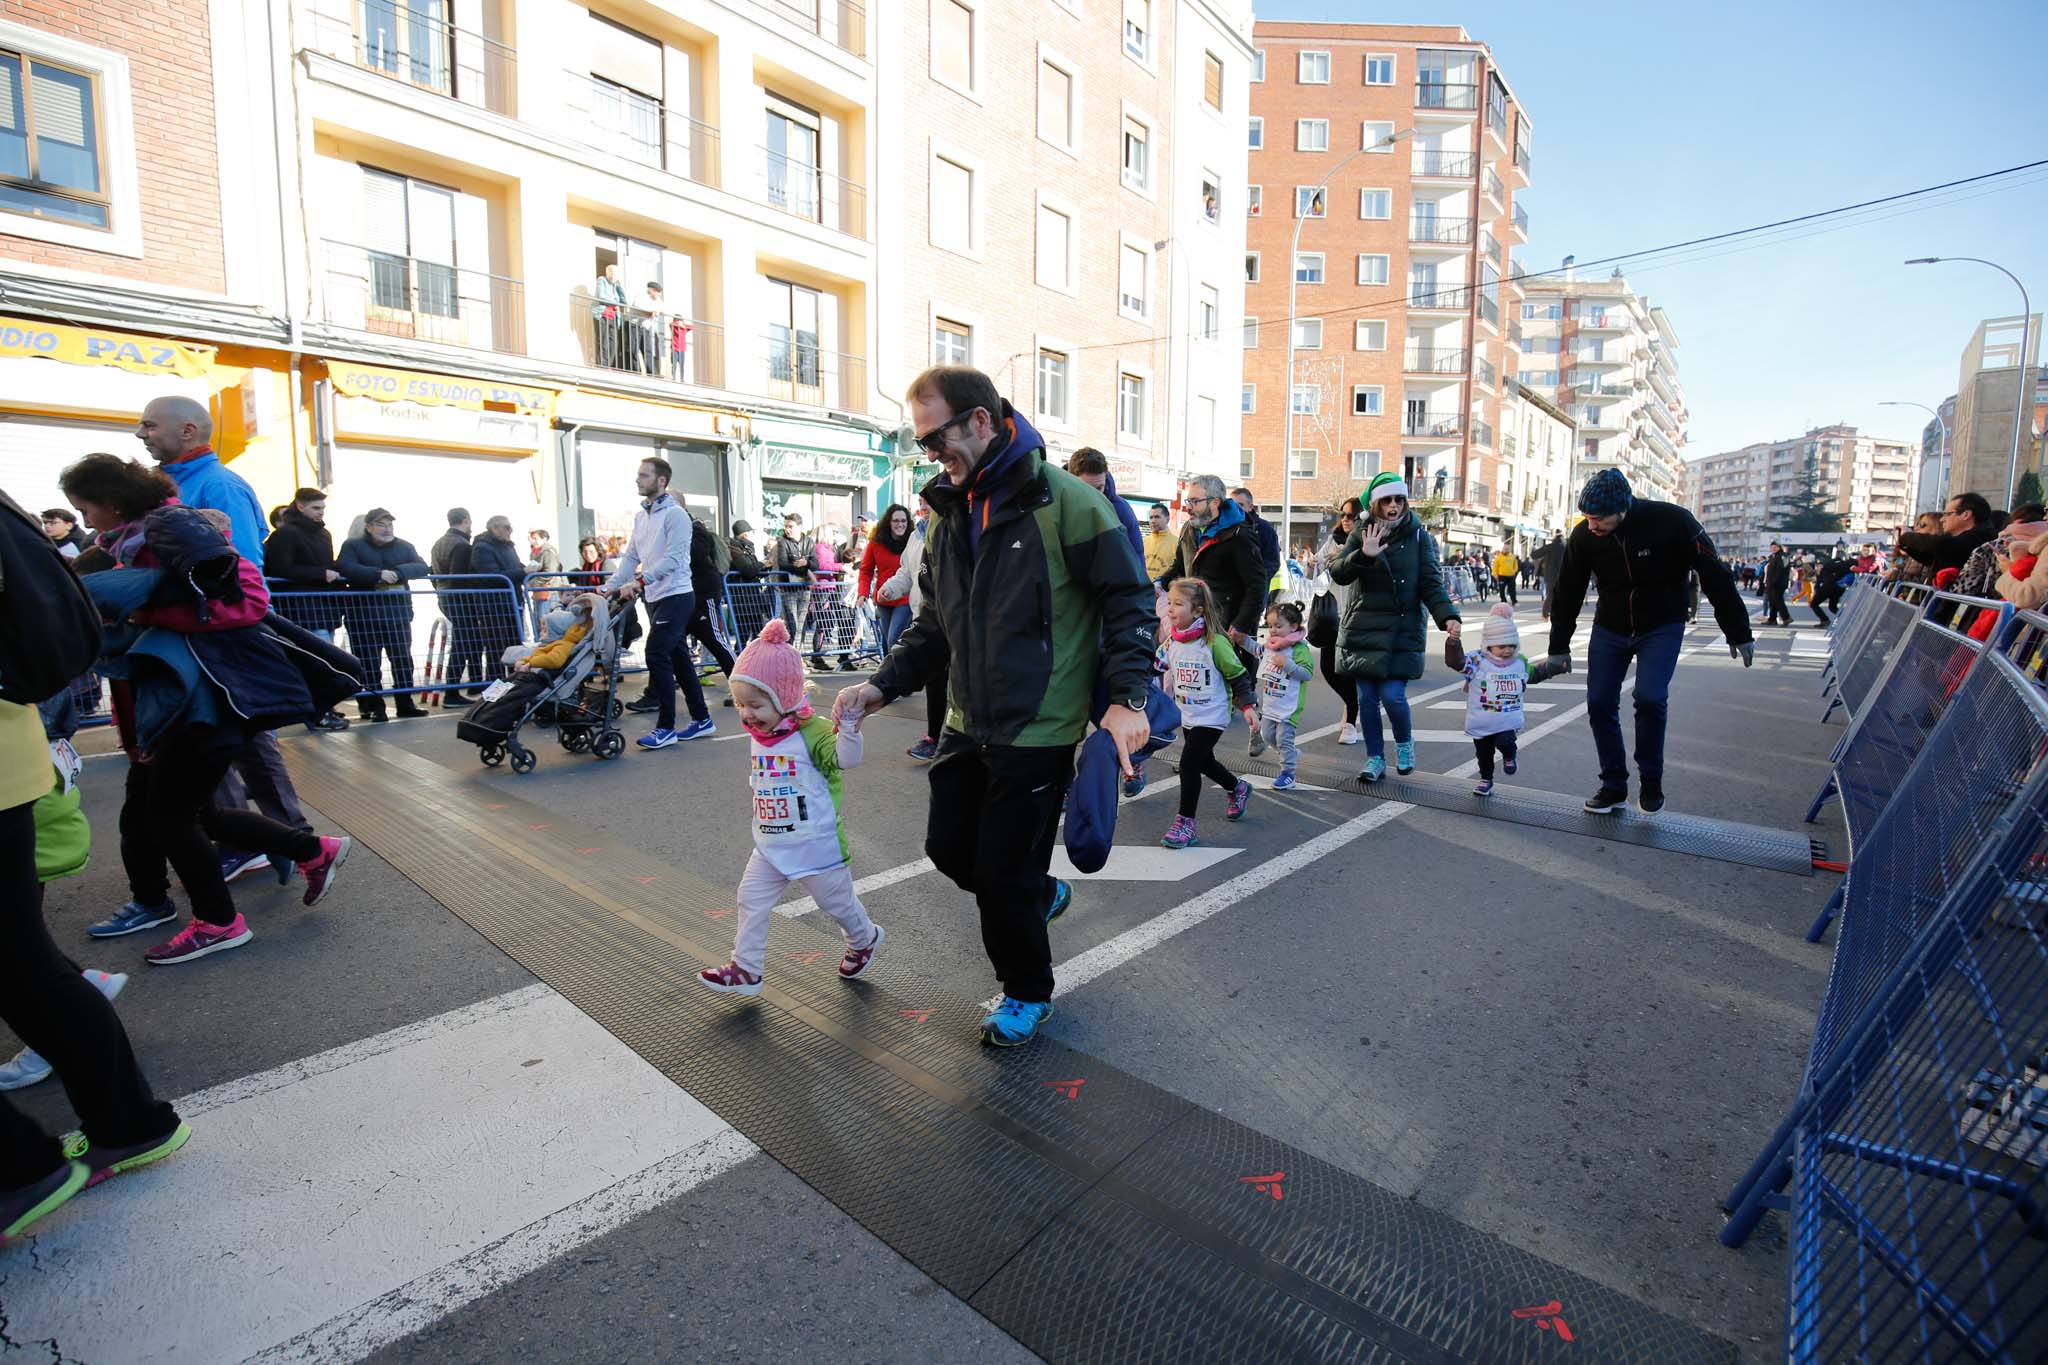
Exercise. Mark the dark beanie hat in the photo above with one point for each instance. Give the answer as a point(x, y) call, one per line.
point(1605, 494)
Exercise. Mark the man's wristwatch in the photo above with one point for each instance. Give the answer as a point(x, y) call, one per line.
point(1135, 703)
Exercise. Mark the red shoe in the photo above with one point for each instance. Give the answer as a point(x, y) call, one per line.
point(856, 960)
point(320, 871)
point(198, 939)
point(730, 980)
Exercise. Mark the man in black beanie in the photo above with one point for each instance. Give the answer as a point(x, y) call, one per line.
point(1643, 554)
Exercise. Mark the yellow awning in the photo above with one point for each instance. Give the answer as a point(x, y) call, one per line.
point(96, 346)
point(437, 390)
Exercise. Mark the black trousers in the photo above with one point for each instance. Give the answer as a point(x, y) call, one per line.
point(1824, 598)
point(995, 813)
point(60, 1014)
point(1197, 761)
point(1341, 685)
point(669, 664)
point(1775, 610)
point(1486, 746)
point(1504, 588)
point(935, 703)
point(169, 817)
point(705, 633)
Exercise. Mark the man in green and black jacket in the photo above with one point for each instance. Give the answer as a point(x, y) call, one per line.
point(1031, 593)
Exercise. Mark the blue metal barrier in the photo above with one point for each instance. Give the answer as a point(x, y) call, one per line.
point(823, 619)
point(1847, 634)
point(1892, 618)
point(1917, 1145)
point(433, 633)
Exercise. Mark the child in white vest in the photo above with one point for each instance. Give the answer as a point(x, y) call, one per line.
point(799, 832)
point(1496, 677)
point(1206, 680)
point(1285, 665)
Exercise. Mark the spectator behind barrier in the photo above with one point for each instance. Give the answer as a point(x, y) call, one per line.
point(1965, 524)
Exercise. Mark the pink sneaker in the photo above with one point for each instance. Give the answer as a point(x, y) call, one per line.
point(1180, 833)
point(857, 959)
point(197, 939)
point(730, 980)
point(320, 871)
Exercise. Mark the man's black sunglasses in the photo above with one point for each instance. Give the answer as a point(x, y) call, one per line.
point(934, 440)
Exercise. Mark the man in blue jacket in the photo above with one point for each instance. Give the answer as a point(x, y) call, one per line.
point(1269, 539)
point(656, 564)
point(1091, 467)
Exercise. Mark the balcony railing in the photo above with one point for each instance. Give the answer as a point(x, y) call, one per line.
point(1450, 231)
point(1483, 371)
point(668, 346)
point(1521, 218)
point(1431, 360)
point(797, 371)
point(1482, 435)
point(1443, 165)
point(1440, 95)
point(420, 48)
point(1496, 188)
point(1497, 120)
point(1441, 426)
point(1420, 296)
point(810, 192)
point(1522, 157)
point(842, 23)
point(1489, 311)
point(629, 124)
point(403, 296)
point(1440, 484)
point(1490, 245)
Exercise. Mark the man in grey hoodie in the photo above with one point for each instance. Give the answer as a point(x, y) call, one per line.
point(656, 563)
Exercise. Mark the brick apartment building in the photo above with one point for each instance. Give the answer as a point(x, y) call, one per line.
point(1740, 494)
point(1405, 300)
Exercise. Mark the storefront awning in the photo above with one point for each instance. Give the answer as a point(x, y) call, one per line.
point(438, 390)
point(138, 354)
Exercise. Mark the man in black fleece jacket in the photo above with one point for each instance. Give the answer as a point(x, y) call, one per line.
point(1965, 525)
point(1643, 554)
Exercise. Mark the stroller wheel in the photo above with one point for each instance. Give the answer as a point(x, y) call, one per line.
point(618, 708)
point(610, 744)
point(576, 740)
point(524, 760)
point(491, 754)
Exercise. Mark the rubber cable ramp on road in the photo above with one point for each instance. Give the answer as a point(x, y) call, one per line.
point(1727, 841)
point(1091, 1215)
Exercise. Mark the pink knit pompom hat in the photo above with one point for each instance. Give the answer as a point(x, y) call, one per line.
point(772, 664)
point(1498, 629)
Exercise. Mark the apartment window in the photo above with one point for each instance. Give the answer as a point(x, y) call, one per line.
point(1212, 198)
point(1308, 399)
point(1212, 81)
point(409, 230)
point(1304, 464)
point(1255, 135)
point(1373, 135)
point(952, 205)
point(1056, 104)
point(1364, 464)
point(1055, 248)
point(1251, 267)
point(1251, 334)
point(1309, 201)
point(1204, 432)
point(1244, 462)
point(1311, 135)
point(1248, 399)
point(1314, 68)
point(1369, 334)
point(1258, 65)
point(953, 55)
point(952, 342)
point(1208, 312)
point(1528, 312)
point(53, 144)
point(1254, 200)
point(1372, 269)
point(1308, 268)
point(1368, 400)
point(1308, 334)
point(1379, 68)
point(1053, 387)
point(1133, 268)
point(1130, 407)
point(1138, 29)
point(1137, 155)
point(1375, 203)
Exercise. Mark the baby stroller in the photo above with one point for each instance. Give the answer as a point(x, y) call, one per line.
point(581, 699)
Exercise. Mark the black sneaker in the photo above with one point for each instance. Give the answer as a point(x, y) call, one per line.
point(1607, 800)
point(1650, 796)
point(642, 705)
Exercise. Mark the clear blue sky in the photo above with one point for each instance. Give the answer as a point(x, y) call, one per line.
point(1658, 123)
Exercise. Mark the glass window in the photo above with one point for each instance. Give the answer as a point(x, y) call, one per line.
point(1138, 29)
point(56, 171)
point(1052, 386)
point(1208, 312)
point(1055, 105)
point(952, 342)
point(1255, 136)
point(952, 42)
point(1251, 267)
point(1212, 198)
point(1130, 407)
point(1248, 399)
point(1258, 65)
point(1314, 68)
point(1244, 462)
point(1379, 69)
point(1055, 248)
point(1308, 334)
point(1364, 464)
point(1304, 464)
point(1372, 269)
point(1312, 135)
point(1373, 135)
point(1133, 267)
point(952, 205)
point(1251, 334)
point(1308, 268)
point(1308, 399)
point(1375, 203)
point(1254, 200)
point(1137, 154)
point(1309, 201)
point(1212, 81)
point(1368, 400)
point(1369, 334)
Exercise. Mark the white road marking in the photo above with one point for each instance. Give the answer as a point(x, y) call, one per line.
point(1526, 706)
point(1145, 863)
point(874, 881)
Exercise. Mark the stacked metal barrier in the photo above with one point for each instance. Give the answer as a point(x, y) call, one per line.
point(1916, 1152)
point(420, 632)
point(823, 618)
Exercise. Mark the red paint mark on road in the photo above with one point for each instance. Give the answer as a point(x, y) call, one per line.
point(1548, 1317)
point(643, 880)
point(542, 825)
point(807, 958)
point(716, 914)
point(494, 805)
point(916, 1016)
point(1265, 1184)
point(1067, 1089)
point(586, 850)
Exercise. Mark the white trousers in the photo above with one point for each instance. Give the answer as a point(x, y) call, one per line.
point(761, 886)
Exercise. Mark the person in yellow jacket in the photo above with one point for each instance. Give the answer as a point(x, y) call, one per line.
point(1161, 544)
point(1506, 569)
point(555, 653)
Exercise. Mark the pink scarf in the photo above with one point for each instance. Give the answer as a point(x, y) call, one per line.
point(1281, 643)
point(782, 727)
point(1198, 631)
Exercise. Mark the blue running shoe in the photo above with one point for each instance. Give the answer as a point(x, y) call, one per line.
point(697, 729)
point(235, 863)
point(1404, 756)
point(659, 739)
point(1375, 769)
point(1062, 897)
point(132, 919)
point(1135, 783)
point(1014, 1022)
point(1284, 782)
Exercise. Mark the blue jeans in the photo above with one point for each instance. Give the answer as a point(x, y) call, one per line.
point(1607, 660)
point(1391, 693)
point(668, 658)
point(891, 622)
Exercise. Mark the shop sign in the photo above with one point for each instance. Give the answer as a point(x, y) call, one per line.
point(437, 390)
point(91, 346)
point(460, 428)
point(801, 465)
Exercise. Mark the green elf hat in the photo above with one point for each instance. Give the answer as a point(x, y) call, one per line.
point(1385, 485)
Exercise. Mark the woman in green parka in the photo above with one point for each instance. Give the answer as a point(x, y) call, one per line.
point(1390, 572)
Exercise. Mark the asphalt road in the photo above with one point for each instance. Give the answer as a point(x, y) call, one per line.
point(408, 1148)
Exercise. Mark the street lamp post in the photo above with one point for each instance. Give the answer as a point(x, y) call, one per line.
point(2025, 367)
point(1293, 285)
point(1942, 453)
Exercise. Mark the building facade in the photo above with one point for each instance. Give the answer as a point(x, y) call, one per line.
point(1537, 441)
point(1936, 451)
point(1610, 359)
point(1073, 219)
point(1404, 286)
point(1740, 495)
point(1981, 435)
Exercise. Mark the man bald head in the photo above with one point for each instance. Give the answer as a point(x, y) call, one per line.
point(174, 426)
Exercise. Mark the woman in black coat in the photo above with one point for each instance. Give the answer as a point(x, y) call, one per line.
point(377, 566)
point(1391, 568)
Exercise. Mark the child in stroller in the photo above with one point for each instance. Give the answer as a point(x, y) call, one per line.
point(572, 677)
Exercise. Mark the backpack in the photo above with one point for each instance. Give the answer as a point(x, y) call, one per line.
point(49, 628)
point(721, 553)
